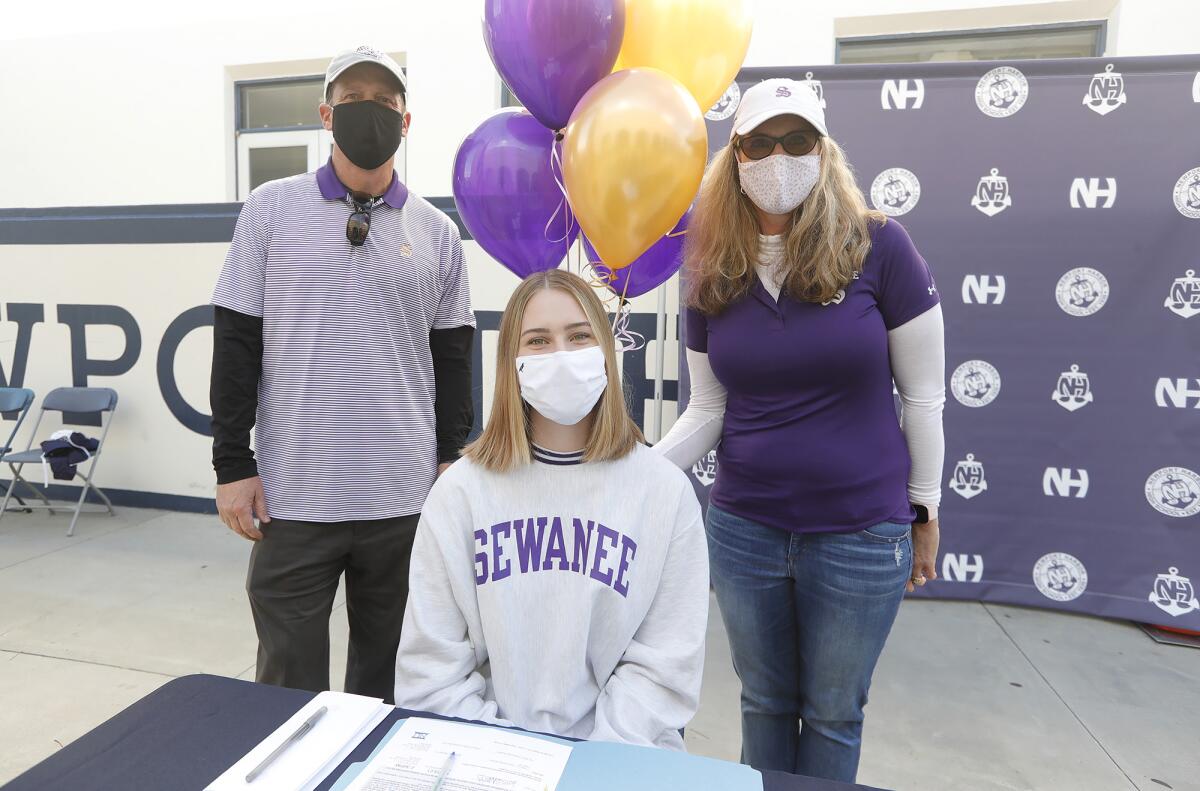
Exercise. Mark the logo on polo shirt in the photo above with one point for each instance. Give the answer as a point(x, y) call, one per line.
point(991, 196)
point(1060, 576)
point(1106, 92)
point(1001, 92)
point(837, 298)
point(1074, 390)
point(968, 479)
point(1187, 194)
point(817, 87)
point(727, 105)
point(895, 191)
point(902, 94)
point(975, 383)
point(1174, 491)
point(1184, 299)
point(705, 470)
point(1173, 594)
point(1082, 291)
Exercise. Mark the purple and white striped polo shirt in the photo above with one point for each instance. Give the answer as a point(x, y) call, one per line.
point(811, 442)
point(346, 427)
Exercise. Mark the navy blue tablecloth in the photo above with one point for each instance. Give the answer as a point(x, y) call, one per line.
point(185, 734)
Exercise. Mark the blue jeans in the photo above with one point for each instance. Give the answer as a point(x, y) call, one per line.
point(807, 617)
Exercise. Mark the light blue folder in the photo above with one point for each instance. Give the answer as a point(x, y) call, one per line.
point(603, 766)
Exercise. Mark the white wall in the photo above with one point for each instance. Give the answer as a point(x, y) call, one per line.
point(131, 103)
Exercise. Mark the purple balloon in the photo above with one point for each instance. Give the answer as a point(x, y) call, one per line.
point(506, 193)
point(652, 268)
point(549, 52)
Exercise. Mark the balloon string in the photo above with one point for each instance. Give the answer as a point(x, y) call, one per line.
point(563, 205)
point(627, 340)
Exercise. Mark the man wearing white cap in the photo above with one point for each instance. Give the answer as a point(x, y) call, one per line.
point(803, 308)
point(343, 334)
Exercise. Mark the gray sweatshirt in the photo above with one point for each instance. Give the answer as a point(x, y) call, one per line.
point(562, 597)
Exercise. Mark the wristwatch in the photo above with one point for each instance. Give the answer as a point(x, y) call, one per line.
point(925, 514)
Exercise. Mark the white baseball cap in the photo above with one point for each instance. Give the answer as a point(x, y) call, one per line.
point(772, 98)
point(363, 54)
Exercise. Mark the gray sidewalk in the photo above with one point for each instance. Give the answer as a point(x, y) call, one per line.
point(967, 696)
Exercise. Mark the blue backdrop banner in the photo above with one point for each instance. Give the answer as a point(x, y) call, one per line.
point(1058, 205)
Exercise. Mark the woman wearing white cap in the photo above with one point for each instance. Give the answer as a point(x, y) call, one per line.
point(803, 308)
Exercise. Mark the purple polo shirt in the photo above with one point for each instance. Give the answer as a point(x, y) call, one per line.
point(811, 442)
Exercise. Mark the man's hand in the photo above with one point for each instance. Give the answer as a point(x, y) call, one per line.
point(239, 502)
point(925, 540)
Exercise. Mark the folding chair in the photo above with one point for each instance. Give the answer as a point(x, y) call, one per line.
point(74, 403)
point(16, 401)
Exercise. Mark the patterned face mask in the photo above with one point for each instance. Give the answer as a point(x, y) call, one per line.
point(780, 183)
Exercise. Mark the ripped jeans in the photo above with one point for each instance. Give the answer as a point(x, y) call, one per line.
point(807, 616)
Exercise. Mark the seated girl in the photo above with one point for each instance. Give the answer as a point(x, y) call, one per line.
point(559, 579)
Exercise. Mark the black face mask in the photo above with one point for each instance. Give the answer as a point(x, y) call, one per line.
point(368, 132)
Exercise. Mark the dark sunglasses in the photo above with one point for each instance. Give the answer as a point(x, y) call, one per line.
point(760, 146)
point(359, 224)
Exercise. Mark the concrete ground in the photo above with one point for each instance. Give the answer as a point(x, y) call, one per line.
point(967, 696)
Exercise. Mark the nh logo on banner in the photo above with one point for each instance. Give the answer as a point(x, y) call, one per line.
point(962, 568)
point(1176, 392)
point(1086, 193)
point(1106, 92)
point(896, 94)
point(1062, 482)
point(983, 289)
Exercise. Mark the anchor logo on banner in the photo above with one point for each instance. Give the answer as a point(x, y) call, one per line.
point(1187, 194)
point(727, 105)
point(992, 196)
point(1174, 491)
point(1106, 91)
point(1174, 594)
point(1082, 291)
point(1074, 389)
point(817, 87)
point(705, 470)
point(1001, 92)
point(1184, 299)
point(968, 479)
point(1060, 576)
point(895, 191)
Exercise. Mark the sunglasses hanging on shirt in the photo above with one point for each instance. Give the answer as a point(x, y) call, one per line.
point(359, 224)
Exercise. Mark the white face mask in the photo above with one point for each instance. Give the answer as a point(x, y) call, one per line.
point(563, 386)
point(781, 182)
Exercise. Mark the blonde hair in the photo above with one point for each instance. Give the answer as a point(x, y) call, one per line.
point(505, 443)
point(826, 245)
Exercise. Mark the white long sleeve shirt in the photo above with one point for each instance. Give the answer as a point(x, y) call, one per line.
point(568, 598)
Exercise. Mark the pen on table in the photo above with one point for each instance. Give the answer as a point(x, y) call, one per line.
point(288, 742)
point(446, 767)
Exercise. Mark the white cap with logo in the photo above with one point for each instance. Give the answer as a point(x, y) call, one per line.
point(773, 98)
point(364, 54)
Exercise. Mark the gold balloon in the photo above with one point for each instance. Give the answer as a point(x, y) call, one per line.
point(633, 157)
point(701, 43)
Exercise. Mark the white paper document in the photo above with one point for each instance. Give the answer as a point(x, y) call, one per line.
point(347, 721)
point(485, 759)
